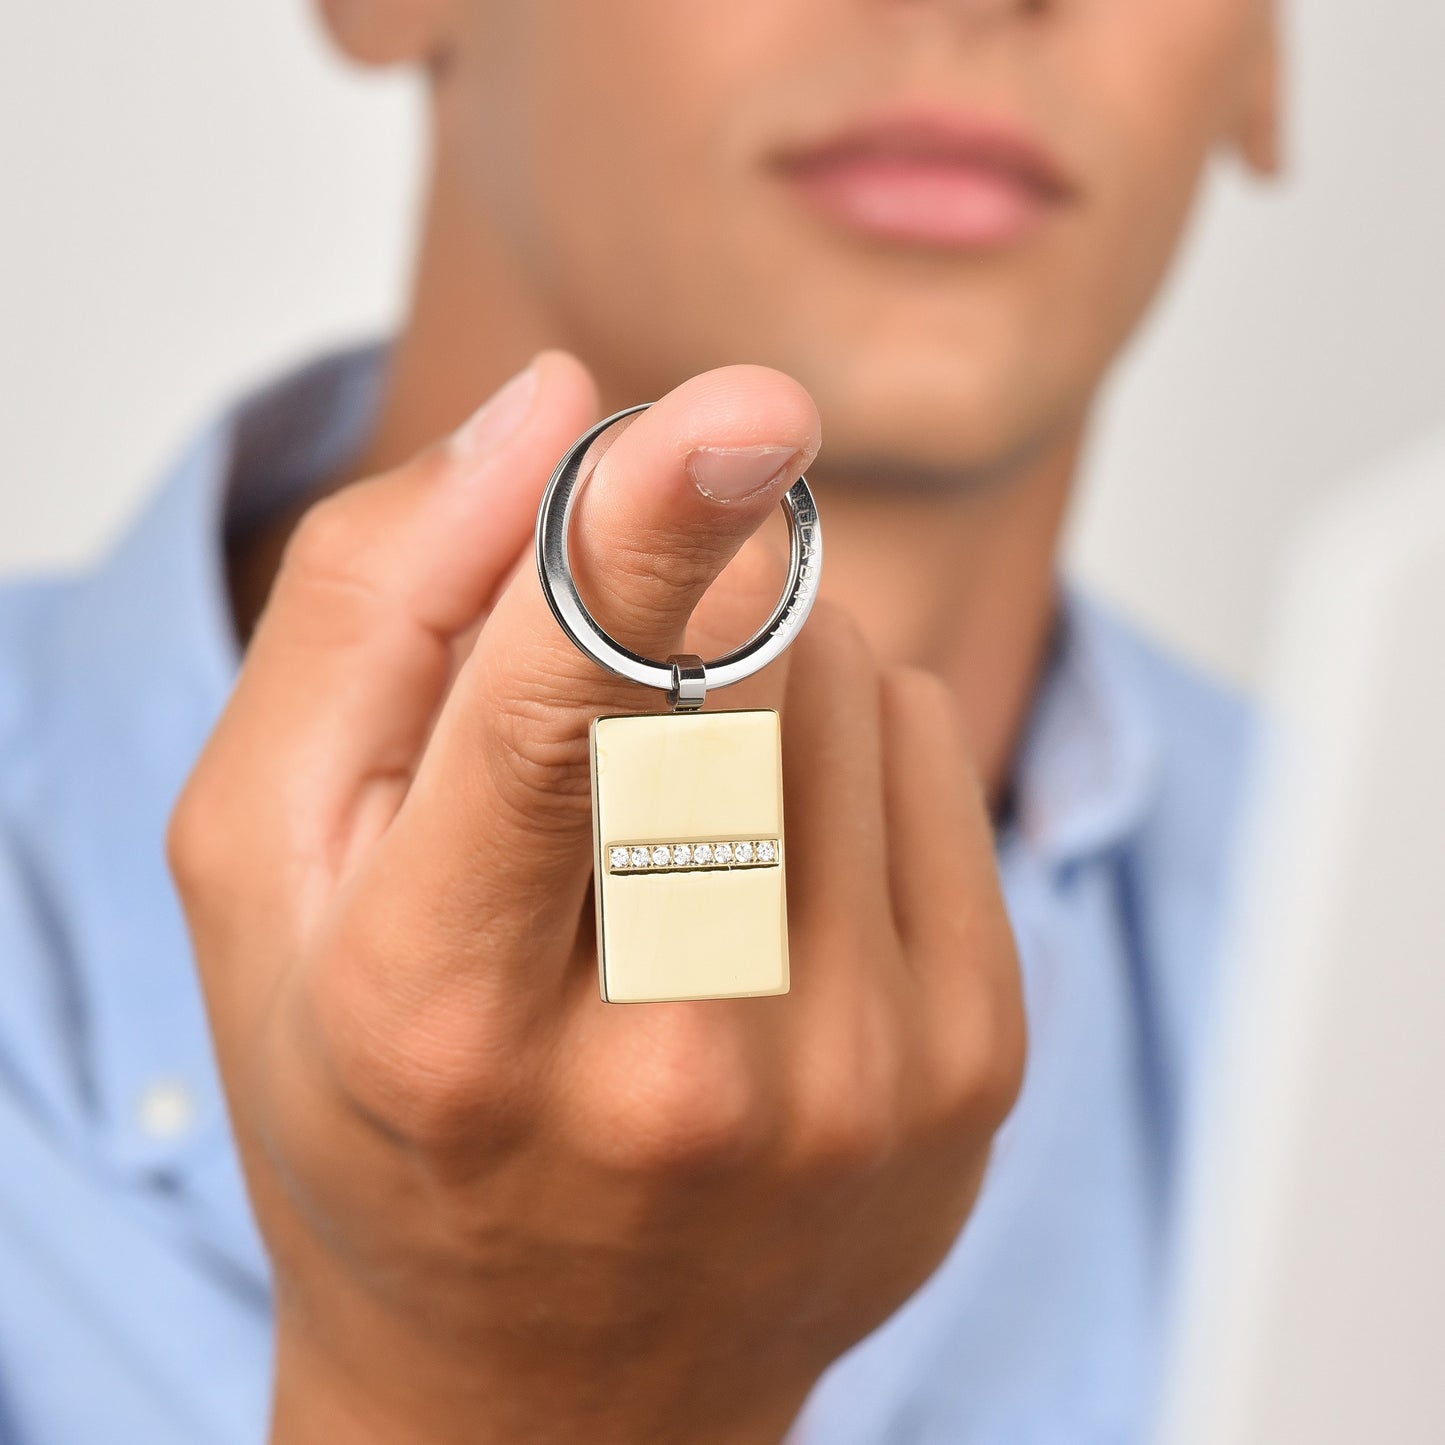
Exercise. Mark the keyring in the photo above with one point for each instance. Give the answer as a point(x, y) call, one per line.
point(687, 809)
point(684, 678)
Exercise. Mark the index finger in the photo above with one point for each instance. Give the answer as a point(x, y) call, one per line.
point(352, 655)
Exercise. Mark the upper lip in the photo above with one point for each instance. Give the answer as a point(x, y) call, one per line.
point(941, 135)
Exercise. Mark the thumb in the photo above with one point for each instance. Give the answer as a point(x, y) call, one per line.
point(674, 497)
point(678, 492)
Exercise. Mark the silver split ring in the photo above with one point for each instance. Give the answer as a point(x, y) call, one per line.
point(684, 678)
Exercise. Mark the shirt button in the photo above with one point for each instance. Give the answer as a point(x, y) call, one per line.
point(167, 1109)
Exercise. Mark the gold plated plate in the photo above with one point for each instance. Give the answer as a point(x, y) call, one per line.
point(687, 816)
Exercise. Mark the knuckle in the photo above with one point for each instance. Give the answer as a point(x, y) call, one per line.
point(985, 1069)
point(649, 584)
point(328, 539)
point(682, 1107)
point(851, 1135)
point(644, 566)
point(426, 1072)
point(539, 758)
point(424, 1082)
point(333, 571)
point(1005, 1078)
point(679, 1134)
point(193, 842)
point(848, 1114)
point(918, 692)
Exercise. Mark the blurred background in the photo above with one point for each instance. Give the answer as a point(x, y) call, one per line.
point(166, 241)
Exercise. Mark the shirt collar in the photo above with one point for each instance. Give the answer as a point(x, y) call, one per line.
point(1088, 769)
point(147, 649)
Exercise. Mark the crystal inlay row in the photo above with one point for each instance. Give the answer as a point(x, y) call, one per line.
point(692, 857)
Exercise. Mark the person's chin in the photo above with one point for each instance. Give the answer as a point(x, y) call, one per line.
point(925, 461)
point(903, 412)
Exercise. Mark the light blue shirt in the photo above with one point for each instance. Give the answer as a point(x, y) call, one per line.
point(134, 1295)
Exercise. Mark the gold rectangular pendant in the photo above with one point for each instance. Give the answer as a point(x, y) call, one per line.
point(687, 821)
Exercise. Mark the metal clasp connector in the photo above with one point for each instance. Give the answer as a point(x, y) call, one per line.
point(689, 682)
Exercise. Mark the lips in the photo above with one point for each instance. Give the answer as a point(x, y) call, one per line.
point(930, 178)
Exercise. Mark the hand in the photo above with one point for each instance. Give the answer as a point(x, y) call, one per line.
point(499, 1209)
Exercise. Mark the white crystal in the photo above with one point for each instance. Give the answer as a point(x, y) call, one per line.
point(682, 855)
point(661, 856)
point(618, 857)
point(723, 852)
point(766, 852)
point(743, 852)
point(702, 853)
point(639, 857)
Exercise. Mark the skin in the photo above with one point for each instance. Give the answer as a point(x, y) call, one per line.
point(498, 1209)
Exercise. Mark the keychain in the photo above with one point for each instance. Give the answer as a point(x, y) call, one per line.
point(687, 806)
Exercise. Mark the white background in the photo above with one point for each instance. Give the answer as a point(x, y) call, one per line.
point(194, 194)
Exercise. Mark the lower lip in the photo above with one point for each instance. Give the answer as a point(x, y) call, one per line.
point(925, 203)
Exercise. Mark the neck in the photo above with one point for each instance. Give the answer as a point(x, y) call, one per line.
point(961, 582)
point(958, 580)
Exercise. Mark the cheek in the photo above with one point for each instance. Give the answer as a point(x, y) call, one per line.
point(1161, 78)
point(606, 137)
point(1153, 84)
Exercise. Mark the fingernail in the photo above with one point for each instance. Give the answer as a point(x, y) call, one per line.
point(732, 474)
point(498, 417)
